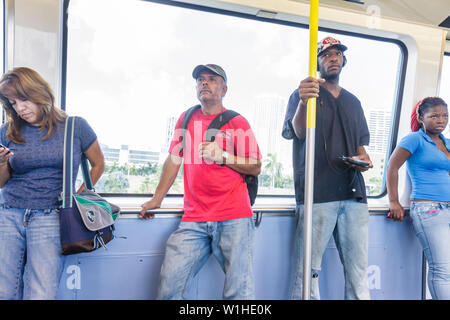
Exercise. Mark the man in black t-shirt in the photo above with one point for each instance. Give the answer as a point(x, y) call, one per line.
point(340, 202)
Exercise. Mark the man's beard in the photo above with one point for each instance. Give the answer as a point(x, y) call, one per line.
point(333, 77)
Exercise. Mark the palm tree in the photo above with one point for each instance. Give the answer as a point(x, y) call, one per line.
point(274, 169)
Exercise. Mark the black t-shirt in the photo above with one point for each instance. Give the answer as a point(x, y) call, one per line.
point(340, 129)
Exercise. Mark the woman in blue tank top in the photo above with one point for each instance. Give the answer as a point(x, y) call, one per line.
point(427, 154)
point(31, 173)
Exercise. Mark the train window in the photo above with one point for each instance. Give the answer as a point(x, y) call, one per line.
point(129, 74)
point(445, 84)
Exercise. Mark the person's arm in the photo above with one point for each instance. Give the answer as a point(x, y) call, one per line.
point(248, 166)
point(397, 159)
point(95, 157)
point(168, 175)
point(364, 156)
point(299, 120)
point(309, 88)
point(5, 170)
point(244, 165)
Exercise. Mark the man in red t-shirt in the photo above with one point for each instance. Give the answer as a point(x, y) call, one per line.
point(217, 218)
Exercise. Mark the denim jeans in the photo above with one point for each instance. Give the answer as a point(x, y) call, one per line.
point(431, 221)
point(30, 253)
point(190, 246)
point(348, 222)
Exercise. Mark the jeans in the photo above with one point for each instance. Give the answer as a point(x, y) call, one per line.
point(30, 253)
point(348, 222)
point(190, 246)
point(431, 221)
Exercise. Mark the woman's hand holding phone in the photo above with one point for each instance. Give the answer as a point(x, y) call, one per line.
point(5, 154)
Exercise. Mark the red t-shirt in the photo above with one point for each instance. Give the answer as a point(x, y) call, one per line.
point(213, 192)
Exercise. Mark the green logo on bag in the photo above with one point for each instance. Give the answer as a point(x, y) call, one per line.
point(91, 215)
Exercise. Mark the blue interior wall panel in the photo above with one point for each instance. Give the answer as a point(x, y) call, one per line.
point(129, 268)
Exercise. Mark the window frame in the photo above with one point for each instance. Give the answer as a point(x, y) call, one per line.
point(446, 55)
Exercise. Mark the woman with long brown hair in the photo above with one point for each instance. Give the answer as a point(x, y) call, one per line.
point(31, 173)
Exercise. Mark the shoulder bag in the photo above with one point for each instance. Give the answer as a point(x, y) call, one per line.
point(86, 219)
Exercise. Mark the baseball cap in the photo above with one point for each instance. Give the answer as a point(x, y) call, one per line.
point(214, 68)
point(328, 42)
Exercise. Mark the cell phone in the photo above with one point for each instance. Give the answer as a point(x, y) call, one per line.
point(360, 163)
point(4, 147)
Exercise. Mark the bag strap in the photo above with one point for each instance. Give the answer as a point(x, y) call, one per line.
point(187, 117)
point(218, 122)
point(86, 173)
point(68, 163)
point(67, 192)
point(214, 127)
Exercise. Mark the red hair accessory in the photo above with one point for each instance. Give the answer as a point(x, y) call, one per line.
point(415, 125)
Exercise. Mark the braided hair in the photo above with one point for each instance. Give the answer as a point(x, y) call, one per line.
point(420, 109)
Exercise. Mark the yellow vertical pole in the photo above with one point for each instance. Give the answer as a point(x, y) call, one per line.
point(310, 146)
point(313, 30)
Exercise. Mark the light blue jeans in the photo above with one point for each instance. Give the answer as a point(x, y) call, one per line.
point(30, 253)
point(431, 221)
point(348, 222)
point(190, 246)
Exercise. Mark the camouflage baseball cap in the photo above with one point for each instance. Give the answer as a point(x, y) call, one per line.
point(328, 42)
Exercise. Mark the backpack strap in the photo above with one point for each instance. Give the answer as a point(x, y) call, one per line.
point(214, 127)
point(187, 117)
point(218, 122)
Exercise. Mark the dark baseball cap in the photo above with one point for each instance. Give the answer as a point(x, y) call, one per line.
point(329, 42)
point(214, 68)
